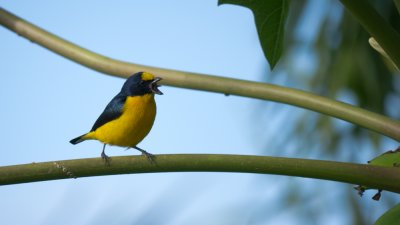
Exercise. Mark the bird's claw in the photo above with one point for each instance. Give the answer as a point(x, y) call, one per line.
point(149, 156)
point(106, 159)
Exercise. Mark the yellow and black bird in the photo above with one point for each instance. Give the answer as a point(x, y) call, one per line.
point(128, 118)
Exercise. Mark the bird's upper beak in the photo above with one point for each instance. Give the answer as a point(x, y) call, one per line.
point(154, 86)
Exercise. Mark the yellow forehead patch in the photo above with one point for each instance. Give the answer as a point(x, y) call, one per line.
point(147, 76)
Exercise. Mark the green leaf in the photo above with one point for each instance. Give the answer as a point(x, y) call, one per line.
point(392, 216)
point(389, 159)
point(270, 17)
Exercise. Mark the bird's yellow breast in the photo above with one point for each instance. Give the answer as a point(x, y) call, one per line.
point(135, 122)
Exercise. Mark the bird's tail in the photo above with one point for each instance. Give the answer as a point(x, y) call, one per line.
point(81, 138)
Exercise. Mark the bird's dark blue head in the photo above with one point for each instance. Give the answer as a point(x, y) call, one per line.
point(141, 83)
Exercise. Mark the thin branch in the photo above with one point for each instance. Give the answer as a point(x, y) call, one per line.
point(384, 34)
point(352, 114)
point(372, 176)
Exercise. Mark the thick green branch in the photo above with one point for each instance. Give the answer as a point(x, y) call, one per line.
point(370, 120)
point(372, 176)
point(381, 30)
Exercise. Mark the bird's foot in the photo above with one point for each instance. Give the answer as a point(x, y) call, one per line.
point(149, 156)
point(106, 159)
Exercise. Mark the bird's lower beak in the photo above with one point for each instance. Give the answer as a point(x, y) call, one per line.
point(154, 86)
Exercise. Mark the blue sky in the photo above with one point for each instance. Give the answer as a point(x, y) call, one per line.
point(47, 100)
point(50, 100)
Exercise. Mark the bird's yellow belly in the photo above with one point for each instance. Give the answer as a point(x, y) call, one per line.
point(132, 126)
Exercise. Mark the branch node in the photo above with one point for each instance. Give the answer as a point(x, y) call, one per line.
point(65, 170)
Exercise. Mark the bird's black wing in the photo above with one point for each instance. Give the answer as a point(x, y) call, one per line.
point(112, 111)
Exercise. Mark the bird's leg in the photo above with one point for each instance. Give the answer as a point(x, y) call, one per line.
point(149, 156)
point(105, 157)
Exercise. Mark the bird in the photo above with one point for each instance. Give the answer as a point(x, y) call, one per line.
point(128, 117)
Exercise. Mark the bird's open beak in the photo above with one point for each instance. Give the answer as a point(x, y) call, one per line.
point(154, 86)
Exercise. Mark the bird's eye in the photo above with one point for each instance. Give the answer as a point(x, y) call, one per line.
point(141, 82)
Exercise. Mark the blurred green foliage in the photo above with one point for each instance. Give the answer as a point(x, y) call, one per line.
point(346, 68)
point(390, 217)
point(328, 54)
